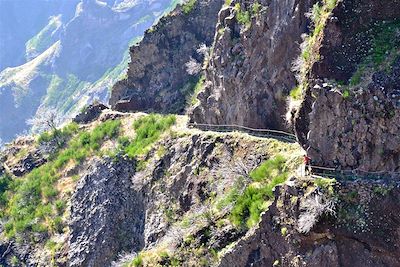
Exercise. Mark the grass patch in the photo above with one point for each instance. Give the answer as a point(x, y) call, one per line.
point(32, 205)
point(296, 93)
point(188, 6)
point(59, 135)
point(196, 90)
point(148, 130)
point(385, 45)
point(242, 16)
point(254, 200)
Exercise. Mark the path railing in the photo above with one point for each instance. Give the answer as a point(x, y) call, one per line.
point(354, 174)
point(317, 171)
point(264, 133)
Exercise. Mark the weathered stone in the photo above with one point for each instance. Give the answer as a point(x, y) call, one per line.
point(90, 113)
point(157, 75)
point(107, 214)
point(249, 74)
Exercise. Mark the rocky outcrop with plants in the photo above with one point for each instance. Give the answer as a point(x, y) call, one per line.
point(127, 189)
point(248, 76)
point(130, 186)
point(350, 113)
point(159, 77)
point(323, 223)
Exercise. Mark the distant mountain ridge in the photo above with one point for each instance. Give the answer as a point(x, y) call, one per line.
point(64, 54)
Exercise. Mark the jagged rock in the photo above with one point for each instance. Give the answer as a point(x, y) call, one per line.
point(28, 163)
point(361, 233)
point(90, 113)
point(157, 75)
point(249, 73)
point(107, 214)
point(357, 128)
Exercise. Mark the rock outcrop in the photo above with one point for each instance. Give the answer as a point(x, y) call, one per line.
point(90, 113)
point(107, 216)
point(350, 115)
point(361, 232)
point(249, 74)
point(157, 79)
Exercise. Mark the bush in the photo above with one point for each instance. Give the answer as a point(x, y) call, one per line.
point(254, 200)
point(256, 7)
point(137, 261)
point(243, 17)
point(188, 6)
point(32, 197)
point(148, 130)
point(5, 184)
point(295, 93)
point(60, 136)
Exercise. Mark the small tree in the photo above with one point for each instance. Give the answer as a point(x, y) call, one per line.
point(193, 67)
point(46, 119)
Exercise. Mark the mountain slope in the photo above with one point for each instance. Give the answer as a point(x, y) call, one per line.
point(90, 58)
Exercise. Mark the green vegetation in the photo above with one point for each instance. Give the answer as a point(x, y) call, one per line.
point(385, 46)
point(228, 2)
point(188, 6)
point(196, 90)
point(232, 195)
point(243, 17)
point(283, 231)
point(326, 184)
point(5, 183)
point(137, 261)
point(386, 40)
point(295, 93)
point(255, 8)
point(254, 200)
point(32, 204)
point(59, 135)
point(346, 93)
point(43, 39)
point(148, 130)
point(319, 15)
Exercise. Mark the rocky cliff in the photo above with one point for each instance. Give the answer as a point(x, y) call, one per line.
point(361, 231)
point(130, 189)
point(249, 73)
point(157, 78)
point(350, 113)
point(115, 207)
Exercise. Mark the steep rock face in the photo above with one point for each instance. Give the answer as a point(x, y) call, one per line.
point(106, 214)
point(355, 125)
point(249, 73)
point(157, 74)
point(363, 231)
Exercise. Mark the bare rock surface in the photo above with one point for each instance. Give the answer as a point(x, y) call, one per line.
point(107, 215)
point(157, 79)
point(249, 74)
point(350, 114)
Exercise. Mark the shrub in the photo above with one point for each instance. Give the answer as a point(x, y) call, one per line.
point(137, 261)
point(255, 8)
point(295, 93)
point(188, 6)
point(196, 90)
point(346, 94)
point(243, 17)
point(32, 196)
point(148, 130)
point(5, 184)
point(254, 200)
